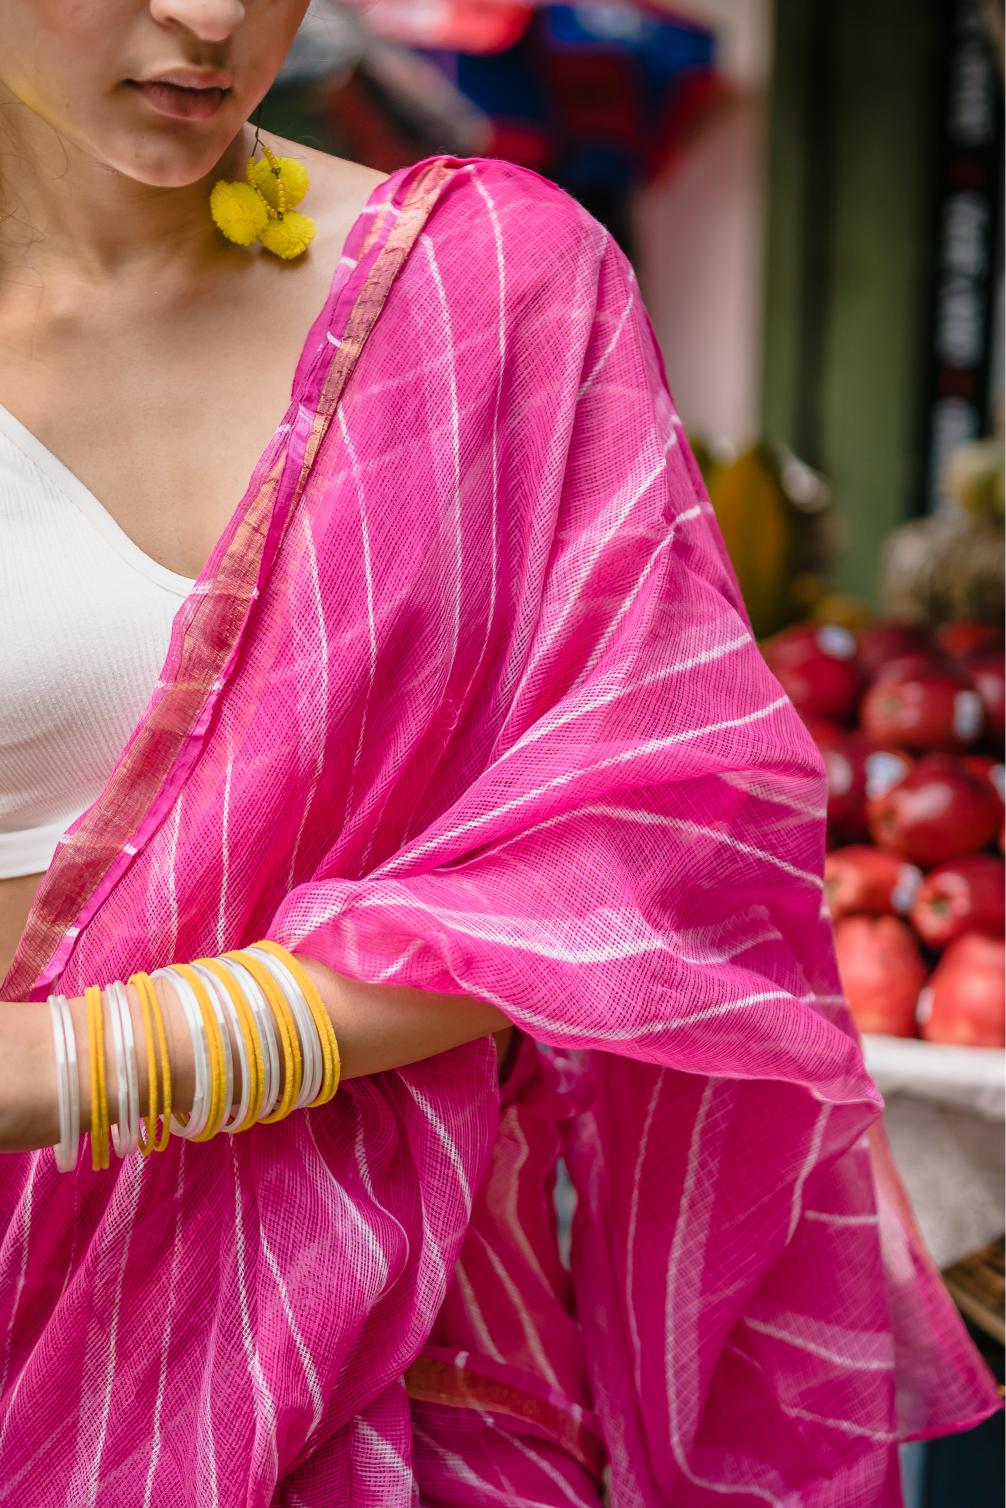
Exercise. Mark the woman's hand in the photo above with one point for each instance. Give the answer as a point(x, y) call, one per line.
point(29, 1115)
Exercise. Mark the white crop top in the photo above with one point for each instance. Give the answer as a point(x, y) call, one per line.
point(85, 619)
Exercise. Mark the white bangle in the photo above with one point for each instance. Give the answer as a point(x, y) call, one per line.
point(132, 1071)
point(67, 1084)
point(217, 988)
point(262, 1014)
point(314, 1066)
point(120, 992)
point(123, 1127)
point(199, 1114)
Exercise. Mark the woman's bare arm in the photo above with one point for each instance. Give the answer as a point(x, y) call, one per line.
point(378, 1027)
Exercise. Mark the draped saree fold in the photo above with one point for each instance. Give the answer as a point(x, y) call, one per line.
point(465, 699)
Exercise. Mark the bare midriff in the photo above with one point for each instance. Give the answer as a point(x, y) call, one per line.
point(16, 895)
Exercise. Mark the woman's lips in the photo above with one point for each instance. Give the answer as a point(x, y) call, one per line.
point(183, 104)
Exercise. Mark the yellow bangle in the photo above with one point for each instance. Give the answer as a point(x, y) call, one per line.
point(162, 1042)
point(96, 1048)
point(103, 1081)
point(217, 1111)
point(253, 1045)
point(322, 1020)
point(150, 1122)
point(288, 1035)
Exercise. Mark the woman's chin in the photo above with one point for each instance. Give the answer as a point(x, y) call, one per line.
point(166, 165)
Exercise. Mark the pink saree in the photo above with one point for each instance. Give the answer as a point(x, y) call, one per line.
point(465, 700)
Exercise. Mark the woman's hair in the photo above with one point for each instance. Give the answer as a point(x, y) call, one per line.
point(13, 214)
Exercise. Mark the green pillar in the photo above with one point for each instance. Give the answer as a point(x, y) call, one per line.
point(849, 255)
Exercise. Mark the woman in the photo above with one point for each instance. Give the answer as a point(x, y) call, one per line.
point(458, 704)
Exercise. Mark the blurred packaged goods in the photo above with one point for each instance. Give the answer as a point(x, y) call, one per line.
point(950, 564)
point(475, 25)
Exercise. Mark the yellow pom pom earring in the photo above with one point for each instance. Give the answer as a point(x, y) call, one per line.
point(262, 208)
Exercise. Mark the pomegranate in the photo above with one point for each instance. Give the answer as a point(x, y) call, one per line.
point(882, 972)
point(963, 639)
point(864, 879)
point(988, 677)
point(816, 667)
point(937, 812)
point(805, 640)
point(965, 895)
point(987, 768)
point(878, 643)
point(964, 1002)
point(925, 710)
point(857, 770)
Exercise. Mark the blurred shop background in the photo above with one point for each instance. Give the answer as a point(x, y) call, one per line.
point(812, 197)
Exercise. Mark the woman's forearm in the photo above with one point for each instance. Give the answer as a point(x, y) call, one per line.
point(378, 1027)
point(381, 1026)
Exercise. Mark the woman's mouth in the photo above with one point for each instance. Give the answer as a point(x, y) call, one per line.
point(181, 102)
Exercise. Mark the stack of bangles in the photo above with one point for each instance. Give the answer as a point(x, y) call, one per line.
point(256, 1003)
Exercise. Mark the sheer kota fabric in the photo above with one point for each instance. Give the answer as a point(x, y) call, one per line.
point(465, 700)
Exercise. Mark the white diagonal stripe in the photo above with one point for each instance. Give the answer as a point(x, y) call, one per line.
point(369, 579)
point(546, 725)
point(351, 1206)
point(810, 1162)
point(801, 1343)
point(586, 385)
point(176, 1252)
point(630, 598)
point(682, 1228)
point(319, 677)
point(132, 1175)
point(827, 1218)
point(306, 1360)
point(513, 1439)
point(442, 1135)
point(651, 746)
point(501, 351)
point(463, 1472)
point(389, 1454)
point(473, 1309)
point(445, 313)
point(265, 1407)
point(520, 1309)
point(846, 1426)
point(630, 1245)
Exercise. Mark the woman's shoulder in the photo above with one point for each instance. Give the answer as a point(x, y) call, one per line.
point(339, 191)
point(494, 218)
point(517, 195)
point(493, 204)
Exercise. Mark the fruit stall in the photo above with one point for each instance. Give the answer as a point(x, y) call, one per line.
point(906, 705)
point(910, 723)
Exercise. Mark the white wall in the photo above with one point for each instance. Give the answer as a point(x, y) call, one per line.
point(700, 237)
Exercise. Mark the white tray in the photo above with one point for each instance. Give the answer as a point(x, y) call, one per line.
point(970, 1078)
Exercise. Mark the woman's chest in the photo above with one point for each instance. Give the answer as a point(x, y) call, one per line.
point(169, 459)
point(164, 430)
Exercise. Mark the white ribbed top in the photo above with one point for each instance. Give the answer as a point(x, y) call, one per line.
point(85, 619)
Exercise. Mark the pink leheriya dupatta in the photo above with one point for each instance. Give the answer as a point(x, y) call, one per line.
point(465, 700)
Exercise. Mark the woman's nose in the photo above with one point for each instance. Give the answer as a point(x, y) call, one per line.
point(209, 20)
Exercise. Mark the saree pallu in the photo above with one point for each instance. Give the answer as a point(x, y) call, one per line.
point(465, 700)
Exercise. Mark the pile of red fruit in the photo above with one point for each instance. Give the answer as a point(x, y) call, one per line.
point(911, 727)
